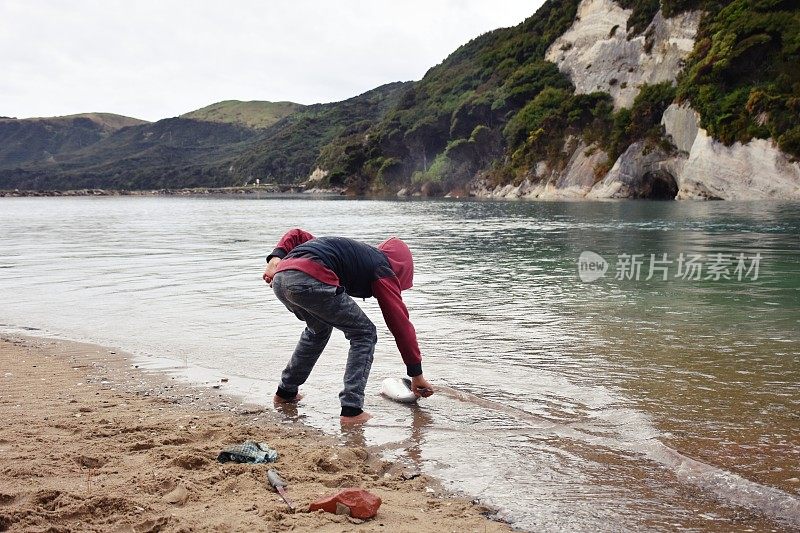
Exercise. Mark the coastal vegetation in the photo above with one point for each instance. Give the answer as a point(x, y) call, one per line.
point(493, 108)
point(743, 76)
point(288, 151)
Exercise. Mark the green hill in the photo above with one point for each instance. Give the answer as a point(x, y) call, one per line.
point(287, 152)
point(482, 84)
point(254, 114)
point(34, 140)
point(187, 152)
point(175, 152)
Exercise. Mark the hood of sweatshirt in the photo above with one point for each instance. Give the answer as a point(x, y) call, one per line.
point(399, 256)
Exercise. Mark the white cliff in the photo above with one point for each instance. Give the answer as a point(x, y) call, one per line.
point(572, 182)
point(638, 173)
point(680, 124)
point(597, 55)
point(577, 178)
point(707, 168)
point(702, 168)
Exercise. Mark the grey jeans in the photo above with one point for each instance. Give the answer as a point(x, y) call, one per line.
point(324, 307)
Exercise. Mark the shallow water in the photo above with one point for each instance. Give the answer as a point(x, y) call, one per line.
point(616, 404)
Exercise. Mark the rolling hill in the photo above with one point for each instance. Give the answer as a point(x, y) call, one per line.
point(33, 140)
point(188, 152)
point(289, 150)
point(254, 114)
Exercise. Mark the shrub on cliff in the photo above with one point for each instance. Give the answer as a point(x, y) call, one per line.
point(483, 83)
point(743, 76)
point(642, 121)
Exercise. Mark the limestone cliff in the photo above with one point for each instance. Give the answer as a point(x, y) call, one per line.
point(599, 54)
point(705, 168)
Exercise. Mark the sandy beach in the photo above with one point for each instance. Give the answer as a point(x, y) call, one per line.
point(91, 443)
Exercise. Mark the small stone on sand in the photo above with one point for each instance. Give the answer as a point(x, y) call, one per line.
point(177, 496)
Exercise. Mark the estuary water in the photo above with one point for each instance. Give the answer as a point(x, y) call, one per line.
point(568, 403)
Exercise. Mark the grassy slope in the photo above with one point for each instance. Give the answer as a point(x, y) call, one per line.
point(287, 151)
point(254, 114)
point(110, 121)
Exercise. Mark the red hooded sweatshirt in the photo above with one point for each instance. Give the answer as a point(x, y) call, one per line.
point(363, 271)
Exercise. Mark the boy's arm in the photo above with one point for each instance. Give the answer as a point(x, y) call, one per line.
point(387, 292)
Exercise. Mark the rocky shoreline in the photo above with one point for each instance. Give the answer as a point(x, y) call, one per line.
point(697, 168)
point(194, 191)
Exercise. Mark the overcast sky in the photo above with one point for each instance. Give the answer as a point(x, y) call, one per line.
point(153, 59)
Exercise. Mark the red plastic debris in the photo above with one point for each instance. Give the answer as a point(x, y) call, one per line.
point(358, 503)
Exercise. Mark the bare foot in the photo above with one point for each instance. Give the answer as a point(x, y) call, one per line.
point(278, 400)
point(353, 420)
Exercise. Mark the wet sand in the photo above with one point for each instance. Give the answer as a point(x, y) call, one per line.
point(90, 443)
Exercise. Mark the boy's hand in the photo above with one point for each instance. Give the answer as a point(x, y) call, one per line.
point(421, 387)
point(269, 272)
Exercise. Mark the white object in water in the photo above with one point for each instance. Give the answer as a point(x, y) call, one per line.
point(398, 389)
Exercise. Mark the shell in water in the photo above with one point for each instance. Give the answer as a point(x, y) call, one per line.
point(398, 389)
